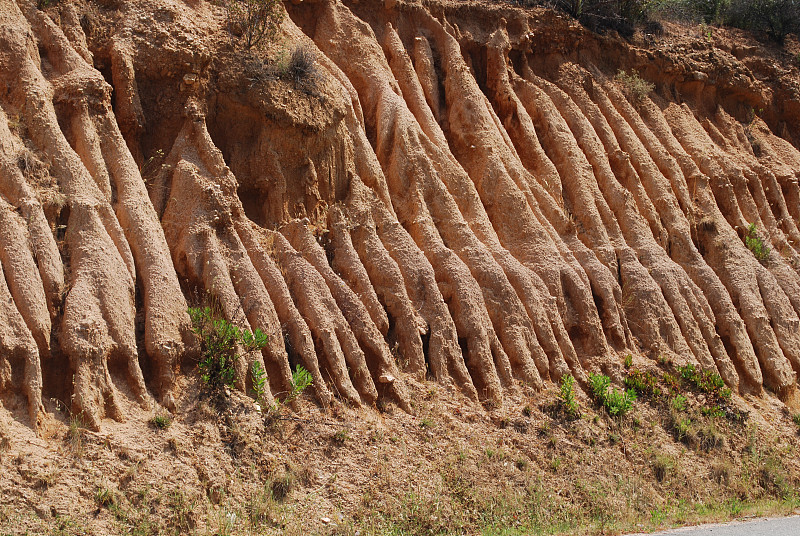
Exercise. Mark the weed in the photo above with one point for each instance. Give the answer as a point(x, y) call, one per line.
point(628, 362)
point(74, 434)
point(106, 497)
point(426, 423)
point(527, 411)
point(341, 436)
point(555, 464)
point(756, 244)
point(663, 466)
point(679, 403)
point(568, 401)
point(616, 402)
point(219, 340)
point(282, 485)
point(721, 472)
point(636, 87)
point(301, 380)
point(682, 428)
point(182, 511)
point(796, 420)
point(162, 421)
point(260, 507)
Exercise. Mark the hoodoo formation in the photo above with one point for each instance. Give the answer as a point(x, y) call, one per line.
point(462, 191)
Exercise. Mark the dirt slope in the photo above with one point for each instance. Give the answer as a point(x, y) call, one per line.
point(464, 191)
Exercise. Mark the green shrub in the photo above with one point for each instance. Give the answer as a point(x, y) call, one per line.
point(601, 15)
point(568, 397)
point(776, 18)
point(259, 378)
point(756, 245)
point(644, 383)
point(616, 402)
point(257, 21)
point(796, 419)
point(705, 381)
point(219, 341)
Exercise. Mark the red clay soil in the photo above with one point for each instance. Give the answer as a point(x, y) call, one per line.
point(460, 190)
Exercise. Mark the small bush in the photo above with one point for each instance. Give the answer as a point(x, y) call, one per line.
point(796, 420)
point(756, 245)
point(601, 15)
point(259, 378)
point(219, 342)
point(302, 69)
point(628, 363)
point(616, 402)
point(636, 87)
point(257, 21)
point(568, 397)
point(776, 18)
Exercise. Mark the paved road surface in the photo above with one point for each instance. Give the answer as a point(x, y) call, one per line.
point(786, 526)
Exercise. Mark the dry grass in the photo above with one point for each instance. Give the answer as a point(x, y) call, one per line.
point(450, 469)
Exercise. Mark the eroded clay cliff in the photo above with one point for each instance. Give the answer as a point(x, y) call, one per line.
point(464, 190)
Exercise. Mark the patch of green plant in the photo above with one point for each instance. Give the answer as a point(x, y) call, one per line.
point(756, 244)
point(161, 421)
point(259, 379)
point(301, 380)
point(628, 362)
point(341, 436)
point(644, 383)
point(219, 342)
point(705, 381)
point(616, 401)
point(636, 87)
point(568, 401)
point(426, 423)
point(679, 403)
point(106, 497)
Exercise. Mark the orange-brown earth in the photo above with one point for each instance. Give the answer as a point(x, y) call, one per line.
point(462, 193)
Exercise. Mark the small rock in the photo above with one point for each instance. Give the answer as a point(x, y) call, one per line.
point(386, 378)
point(325, 520)
point(190, 79)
